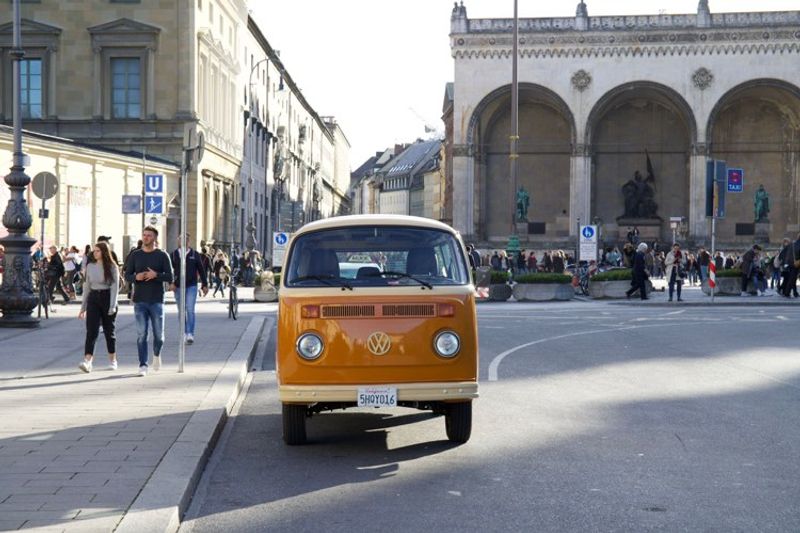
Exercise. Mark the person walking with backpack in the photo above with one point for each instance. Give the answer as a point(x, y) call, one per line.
point(100, 291)
point(195, 271)
point(149, 269)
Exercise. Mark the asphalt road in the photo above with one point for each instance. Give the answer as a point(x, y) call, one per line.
point(592, 417)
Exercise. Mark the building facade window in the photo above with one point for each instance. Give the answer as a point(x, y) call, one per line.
point(126, 89)
point(37, 69)
point(31, 88)
point(124, 65)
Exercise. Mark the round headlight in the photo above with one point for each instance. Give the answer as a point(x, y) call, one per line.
point(309, 346)
point(447, 344)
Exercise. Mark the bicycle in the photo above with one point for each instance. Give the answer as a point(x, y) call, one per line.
point(580, 279)
point(233, 297)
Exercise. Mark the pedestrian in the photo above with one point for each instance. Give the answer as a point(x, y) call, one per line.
point(107, 239)
point(471, 259)
point(719, 261)
point(71, 260)
point(703, 260)
point(532, 266)
point(639, 273)
point(195, 271)
point(220, 267)
point(559, 264)
point(495, 261)
point(675, 263)
point(748, 267)
point(547, 261)
point(54, 274)
point(788, 270)
point(100, 290)
point(475, 255)
point(149, 269)
point(522, 264)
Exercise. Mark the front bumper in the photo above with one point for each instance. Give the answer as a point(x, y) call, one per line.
point(406, 392)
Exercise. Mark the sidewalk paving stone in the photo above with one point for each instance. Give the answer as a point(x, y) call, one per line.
point(85, 445)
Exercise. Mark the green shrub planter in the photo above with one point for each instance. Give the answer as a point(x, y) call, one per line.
point(265, 291)
point(729, 283)
point(543, 292)
point(499, 292)
point(526, 279)
point(614, 284)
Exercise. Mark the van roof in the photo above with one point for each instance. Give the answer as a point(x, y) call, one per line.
point(374, 220)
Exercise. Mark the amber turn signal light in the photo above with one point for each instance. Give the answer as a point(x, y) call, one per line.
point(447, 310)
point(309, 311)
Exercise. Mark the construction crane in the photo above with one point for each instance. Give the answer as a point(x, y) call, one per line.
point(429, 129)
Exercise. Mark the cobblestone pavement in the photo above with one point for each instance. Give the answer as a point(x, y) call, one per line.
point(76, 449)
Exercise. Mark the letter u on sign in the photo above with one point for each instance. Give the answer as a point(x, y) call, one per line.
point(154, 183)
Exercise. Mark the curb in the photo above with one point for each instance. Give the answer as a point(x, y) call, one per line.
point(168, 492)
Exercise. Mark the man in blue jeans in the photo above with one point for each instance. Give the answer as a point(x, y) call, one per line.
point(195, 270)
point(148, 269)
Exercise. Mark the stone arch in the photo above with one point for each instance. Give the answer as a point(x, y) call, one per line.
point(756, 126)
point(547, 139)
point(629, 124)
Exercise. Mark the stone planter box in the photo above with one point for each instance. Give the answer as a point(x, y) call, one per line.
point(268, 294)
point(728, 287)
point(543, 292)
point(499, 292)
point(614, 289)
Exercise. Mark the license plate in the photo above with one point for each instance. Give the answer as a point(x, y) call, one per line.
point(377, 397)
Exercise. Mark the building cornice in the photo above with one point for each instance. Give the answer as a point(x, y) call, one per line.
point(637, 22)
point(630, 44)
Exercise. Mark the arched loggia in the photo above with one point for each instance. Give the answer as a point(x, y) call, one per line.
point(627, 123)
point(547, 136)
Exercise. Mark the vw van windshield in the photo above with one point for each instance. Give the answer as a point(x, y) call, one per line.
point(376, 256)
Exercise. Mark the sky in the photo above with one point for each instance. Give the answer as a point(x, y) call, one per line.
point(380, 66)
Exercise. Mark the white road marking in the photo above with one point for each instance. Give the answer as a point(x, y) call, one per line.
point(781, 317)
point(499, 357)
point(677, 312)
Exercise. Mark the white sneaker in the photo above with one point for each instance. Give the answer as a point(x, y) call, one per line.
point(744, 294)
point(112, 365)
point(143, 370)
point(156, 363)
point(189, 338)
point(85, 366)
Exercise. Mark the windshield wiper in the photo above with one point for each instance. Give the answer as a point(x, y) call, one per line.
point(326, 279)
point(396, 274)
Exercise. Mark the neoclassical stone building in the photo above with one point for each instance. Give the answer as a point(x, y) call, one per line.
point(598, 94)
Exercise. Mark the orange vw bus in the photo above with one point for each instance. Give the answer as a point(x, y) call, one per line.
point(398, 331)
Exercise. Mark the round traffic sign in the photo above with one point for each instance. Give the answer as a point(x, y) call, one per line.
point(588, 232)
point(281, 239)
point(44, 185)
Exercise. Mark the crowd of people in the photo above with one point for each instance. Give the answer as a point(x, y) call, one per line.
point(97, 277)
point(763, 270)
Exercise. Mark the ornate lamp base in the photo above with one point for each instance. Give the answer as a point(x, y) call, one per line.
point(17, 299)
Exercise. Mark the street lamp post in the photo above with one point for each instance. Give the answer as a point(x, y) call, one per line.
point(17, 298)
point(250, 241)
point(513, 157)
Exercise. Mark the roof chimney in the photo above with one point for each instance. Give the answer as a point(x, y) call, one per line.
point(703, 15)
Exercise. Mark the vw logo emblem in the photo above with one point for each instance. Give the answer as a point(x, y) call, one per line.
point(379, 343)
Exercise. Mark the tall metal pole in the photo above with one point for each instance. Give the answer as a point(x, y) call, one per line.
point(514, 137)
point(185, 166)
point(17, 298)
point(144, 187)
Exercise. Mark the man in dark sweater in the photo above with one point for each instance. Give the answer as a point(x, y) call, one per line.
point(148, 269)
point(195, 271)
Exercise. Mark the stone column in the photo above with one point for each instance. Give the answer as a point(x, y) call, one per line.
point(698, 226)
point(464, 189)
point(580, 188)
point(150, 87)
point(97, 85)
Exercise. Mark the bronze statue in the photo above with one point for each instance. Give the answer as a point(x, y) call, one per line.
point(639, 196)
point(761, 204)
point(523, 202)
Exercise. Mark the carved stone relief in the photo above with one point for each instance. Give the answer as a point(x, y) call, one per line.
point(581, 80)
point(702, 78)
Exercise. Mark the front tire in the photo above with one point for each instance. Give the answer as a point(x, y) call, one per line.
point(458, 421)
point(294, 424)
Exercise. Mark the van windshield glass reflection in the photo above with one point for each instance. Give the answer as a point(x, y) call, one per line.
point(376, 256)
